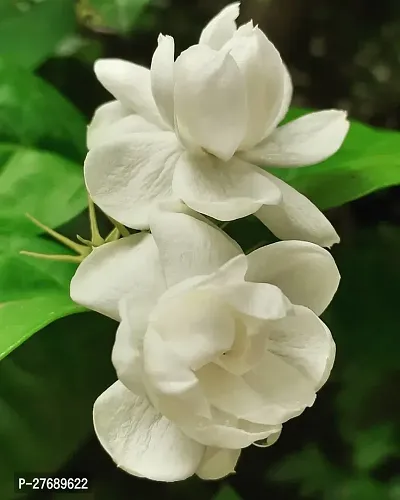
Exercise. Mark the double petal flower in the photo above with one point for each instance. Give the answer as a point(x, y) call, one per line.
point(215, 350)
point(198, 129)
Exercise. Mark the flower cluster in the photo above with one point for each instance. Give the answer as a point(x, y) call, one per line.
point(215, 350)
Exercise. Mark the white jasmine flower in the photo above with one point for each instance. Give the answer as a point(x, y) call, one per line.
point(199, 128)
point(215, 350)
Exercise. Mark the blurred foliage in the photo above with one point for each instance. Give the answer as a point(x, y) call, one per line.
point(109, 15)
point(343, 53)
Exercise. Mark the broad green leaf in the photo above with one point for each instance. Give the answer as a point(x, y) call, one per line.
point(369, 160)
point(47, 389)
point(227, 493)
point(28, 36)
point(43, 184)
point(34, 114)
point(33, 292)
point(118, 15)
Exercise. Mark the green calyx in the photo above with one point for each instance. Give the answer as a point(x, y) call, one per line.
point(85, 247)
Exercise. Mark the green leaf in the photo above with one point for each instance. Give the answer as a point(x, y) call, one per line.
point(47, 389)
point(373, 446)
point(310, 469)
point(28, 36)
point(119, 15)
point(227, 493)
point(42, 184)
point(33, 292)
point(34, 114)
point(368, 161)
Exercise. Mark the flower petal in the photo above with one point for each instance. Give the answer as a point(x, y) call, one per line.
point(285, 390)
point(128, 176)
point(305, 272)
point(225, 431)
point(296, 218)
point(134, 310)
point(287, 97)
point(306, 343)
point(127, 359)
point(218, 463)
point(210, 100)
point(104, 117)
point(264, 74)
point(131, 124)
point(306, 141)
point(222, 190)
point(202, 333)
point(140, 440)
point(162, 78)
point(188, 246)
point(116, 269)
point(172, 386)
point(259, 300)
point(130, 84)
point(221, 28)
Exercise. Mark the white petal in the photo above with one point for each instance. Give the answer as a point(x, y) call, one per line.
point(104, 117)
point(172, 386)
point(296, 218)
point(134, 310)
point(305, 342)
point(127, 358)
point(128, 176)
point(196, 326)
point(264, 75)
point(131, 124)
point(305, 272)
point(306, 141)
point(287, 97)
point(227, 432)
point(285, 390)
point(162, 78)
point(210, 100)
point(221, 28)
point(246, 351)
point(229, 392)
point(222, 190)
point(218, 463)
point(116, 269)
point(130, 84)
point(260, 300)
point(190, 247)
point(140, 440)
point(270, 394)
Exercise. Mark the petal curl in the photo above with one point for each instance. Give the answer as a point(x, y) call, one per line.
point(306, 343)
point(306, 273)
point(222, 190)
point(218, 463)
